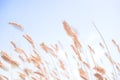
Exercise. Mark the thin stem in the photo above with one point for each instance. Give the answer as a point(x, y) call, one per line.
point(104, 44)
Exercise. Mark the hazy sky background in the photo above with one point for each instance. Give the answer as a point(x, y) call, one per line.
point(45, 18)
point(42, 19)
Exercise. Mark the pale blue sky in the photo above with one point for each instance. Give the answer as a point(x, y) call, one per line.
point(42, 19)
point(45, 17)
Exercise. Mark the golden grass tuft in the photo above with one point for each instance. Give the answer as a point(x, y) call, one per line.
point(75, 65)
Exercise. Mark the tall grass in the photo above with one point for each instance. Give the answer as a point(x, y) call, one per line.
point(44, 62)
